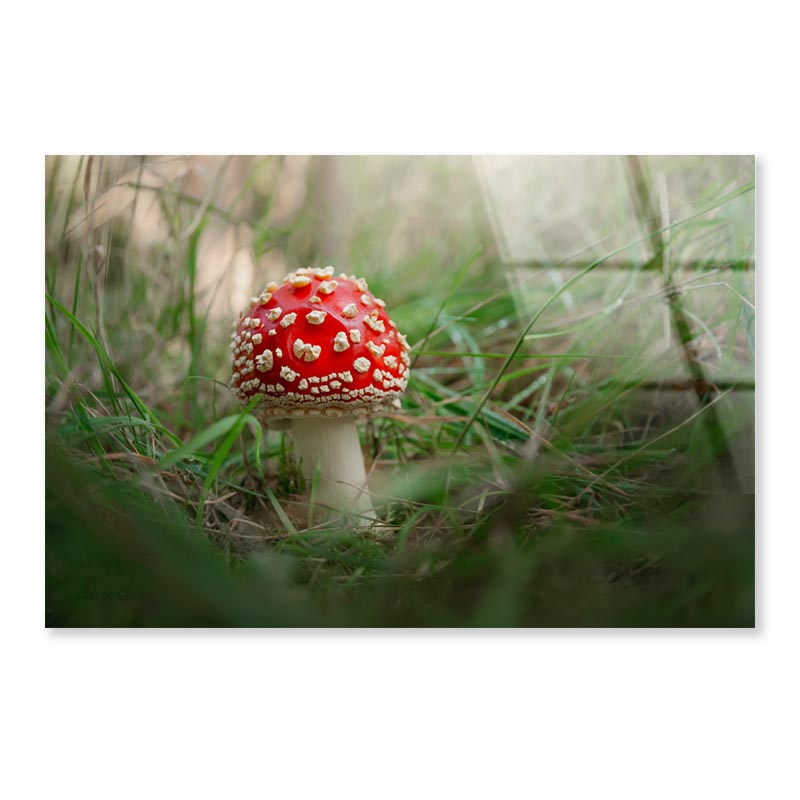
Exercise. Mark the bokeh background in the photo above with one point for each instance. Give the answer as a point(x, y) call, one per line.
point(575, 447)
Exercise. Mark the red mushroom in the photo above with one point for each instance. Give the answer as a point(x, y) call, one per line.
point(321, 352)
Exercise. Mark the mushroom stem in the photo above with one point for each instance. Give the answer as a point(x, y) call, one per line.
point(331, 445)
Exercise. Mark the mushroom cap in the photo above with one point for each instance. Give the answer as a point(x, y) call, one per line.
point(316, 345)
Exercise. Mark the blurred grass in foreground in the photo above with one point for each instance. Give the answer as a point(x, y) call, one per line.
point(539, 474)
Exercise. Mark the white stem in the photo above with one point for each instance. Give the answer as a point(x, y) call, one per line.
point(331, 445)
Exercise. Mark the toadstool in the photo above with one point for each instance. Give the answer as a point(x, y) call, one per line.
point(321, 352)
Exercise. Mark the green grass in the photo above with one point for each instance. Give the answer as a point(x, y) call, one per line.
point(551, 466)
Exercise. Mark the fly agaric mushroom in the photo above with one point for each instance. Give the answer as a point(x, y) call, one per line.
point(321, 352)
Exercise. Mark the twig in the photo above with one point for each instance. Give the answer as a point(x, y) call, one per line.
point(705, 390)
